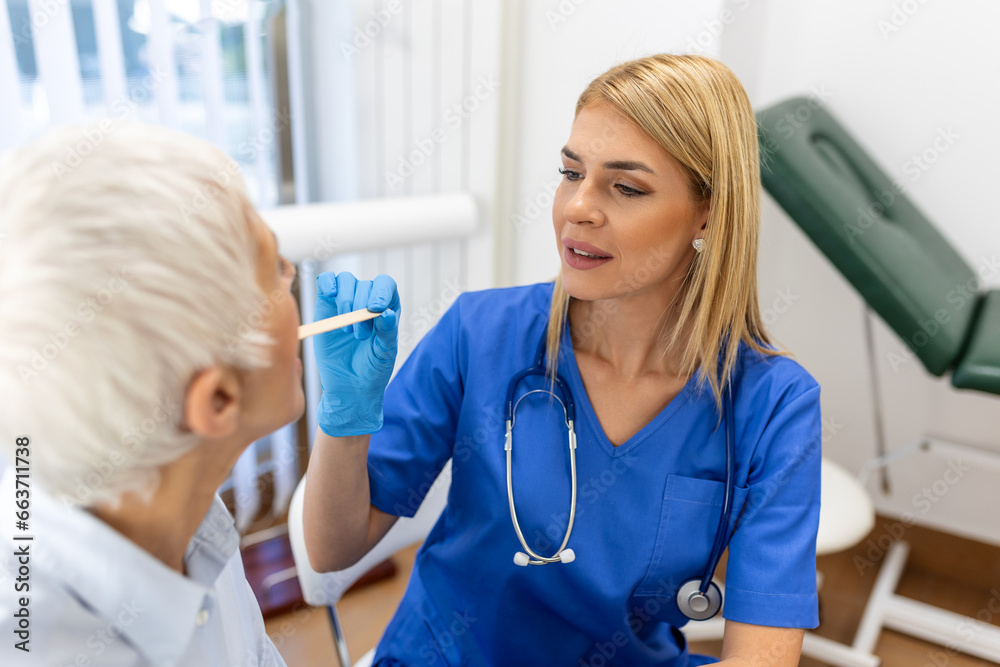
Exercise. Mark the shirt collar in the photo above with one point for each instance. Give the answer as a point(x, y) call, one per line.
point(155, 606)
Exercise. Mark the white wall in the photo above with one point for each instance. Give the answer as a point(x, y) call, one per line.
point(563, 46)
point(896, 74)
point(895, 85)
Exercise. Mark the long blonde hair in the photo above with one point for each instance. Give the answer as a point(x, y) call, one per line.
point(698, 111)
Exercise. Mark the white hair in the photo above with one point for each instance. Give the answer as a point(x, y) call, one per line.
point(128, 263)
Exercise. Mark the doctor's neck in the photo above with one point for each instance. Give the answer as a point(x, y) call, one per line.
point(627, 333)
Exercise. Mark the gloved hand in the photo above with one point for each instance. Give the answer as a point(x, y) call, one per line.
point(355, 365)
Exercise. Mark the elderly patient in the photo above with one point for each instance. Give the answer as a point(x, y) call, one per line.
point(147, 336)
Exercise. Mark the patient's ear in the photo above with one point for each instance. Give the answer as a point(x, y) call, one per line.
point(212, 403)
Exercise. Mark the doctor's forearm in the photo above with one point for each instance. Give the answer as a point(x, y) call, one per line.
point(745, 645)
point(337, 512)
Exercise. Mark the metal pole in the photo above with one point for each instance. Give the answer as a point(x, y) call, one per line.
point(877, 397)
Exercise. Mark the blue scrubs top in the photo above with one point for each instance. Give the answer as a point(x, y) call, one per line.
point(647, 510)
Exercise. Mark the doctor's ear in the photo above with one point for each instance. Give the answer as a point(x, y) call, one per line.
point(212, 403)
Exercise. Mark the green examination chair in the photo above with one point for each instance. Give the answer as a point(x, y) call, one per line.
point(883, 244)
point(909, 275)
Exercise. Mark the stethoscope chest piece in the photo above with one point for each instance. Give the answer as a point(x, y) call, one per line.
point(698, 605)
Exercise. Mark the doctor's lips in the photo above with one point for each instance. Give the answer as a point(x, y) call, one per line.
point(583, 256)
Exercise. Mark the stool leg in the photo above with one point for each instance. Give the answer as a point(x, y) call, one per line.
point(338, 636)
point(885, 587)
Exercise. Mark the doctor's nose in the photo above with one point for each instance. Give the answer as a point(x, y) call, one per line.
point(583, 207)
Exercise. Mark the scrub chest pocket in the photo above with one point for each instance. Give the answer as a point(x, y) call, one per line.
point(689, 518)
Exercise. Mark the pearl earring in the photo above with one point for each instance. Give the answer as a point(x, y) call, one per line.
point(699, 244)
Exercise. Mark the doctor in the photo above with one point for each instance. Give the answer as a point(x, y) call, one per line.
point(690, 431)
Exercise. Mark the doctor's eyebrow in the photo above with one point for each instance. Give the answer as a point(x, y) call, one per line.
point(620, 165)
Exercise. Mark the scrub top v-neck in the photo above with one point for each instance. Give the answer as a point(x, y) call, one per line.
point(647, 510)
point(584, 406)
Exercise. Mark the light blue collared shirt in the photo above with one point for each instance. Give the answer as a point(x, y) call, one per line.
point(98, 599)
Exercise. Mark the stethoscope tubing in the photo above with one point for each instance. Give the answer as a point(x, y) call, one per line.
point(537, 559)
point(569, 413)
point(727, 498)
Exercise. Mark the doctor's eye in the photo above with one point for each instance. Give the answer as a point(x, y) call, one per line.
point(570, 175)
point(628, 191)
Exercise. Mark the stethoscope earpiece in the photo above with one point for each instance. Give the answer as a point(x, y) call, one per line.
point(564, 556)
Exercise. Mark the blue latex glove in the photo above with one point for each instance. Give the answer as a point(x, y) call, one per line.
point(355, 365)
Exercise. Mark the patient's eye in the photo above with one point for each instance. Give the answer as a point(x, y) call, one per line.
point(287, 270)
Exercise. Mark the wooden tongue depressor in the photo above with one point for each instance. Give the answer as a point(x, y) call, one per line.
point(336, 322)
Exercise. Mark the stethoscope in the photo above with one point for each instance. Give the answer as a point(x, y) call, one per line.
point(698, 598)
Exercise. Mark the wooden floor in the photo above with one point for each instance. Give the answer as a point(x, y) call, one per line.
point(943, 570)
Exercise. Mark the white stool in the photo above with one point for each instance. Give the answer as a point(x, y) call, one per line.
point(846, 512)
